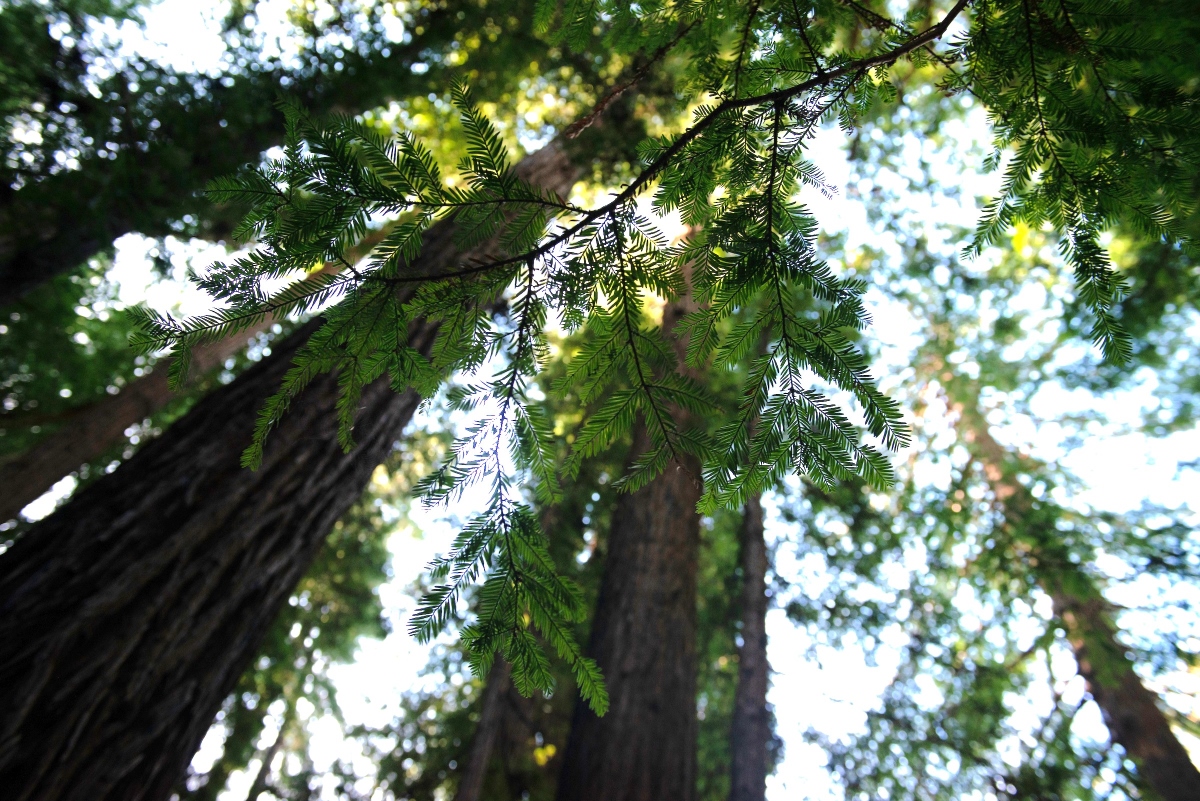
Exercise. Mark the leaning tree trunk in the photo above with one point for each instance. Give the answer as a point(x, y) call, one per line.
point(1130, 711)
point(97, 428)
point(750, 735)
point(644, 639)
point(127, 616)
point(93, 430)
point(491, 717)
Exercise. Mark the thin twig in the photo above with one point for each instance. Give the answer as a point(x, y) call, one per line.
point(580, 125)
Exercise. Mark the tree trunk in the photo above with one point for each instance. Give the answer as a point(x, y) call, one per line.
point(93, 430)
point(1130, 711)
point(491, 716)
point(644, 639)
point(127, 616)
point(264, 771)
point(751, 731)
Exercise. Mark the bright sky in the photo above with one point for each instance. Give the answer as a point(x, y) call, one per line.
point(830, 694)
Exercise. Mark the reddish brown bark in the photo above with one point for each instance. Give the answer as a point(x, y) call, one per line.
point(1130, 711)
point(127, 616)
point(491, 716)
point(92, 431)
point(644, 639)
point(750, 735)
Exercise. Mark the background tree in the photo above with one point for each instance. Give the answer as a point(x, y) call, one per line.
point(112, 145)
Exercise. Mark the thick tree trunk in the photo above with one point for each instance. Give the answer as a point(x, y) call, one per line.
point(127, 616)
point(491, 716)
point(93, 430)
point(96, 429)
point(751, 732)
point(644, 639)
point(1130, 711)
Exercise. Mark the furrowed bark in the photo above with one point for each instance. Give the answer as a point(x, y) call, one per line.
point(1130, 711)
point(751, 731)
point(92, 431)
point(644, 639)
point(491, 716)
point(127, 616)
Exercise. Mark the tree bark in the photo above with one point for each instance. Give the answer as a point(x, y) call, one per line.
point(264, 771)
point(127, 616)
point(491, 716)
point(644, 639)
point(751, 732)
point(1130, 711)
point(95, 429)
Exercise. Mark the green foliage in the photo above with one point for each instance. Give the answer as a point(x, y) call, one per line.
point(43, 58)
point(99, 142)
point(1096, 137)
point(61, 347)
point(977, 672)
point(1093, 140)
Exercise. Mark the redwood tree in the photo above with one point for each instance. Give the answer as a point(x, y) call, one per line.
point(644, 639)
point(751, 733)
point(127, 616)
point(1130, 710)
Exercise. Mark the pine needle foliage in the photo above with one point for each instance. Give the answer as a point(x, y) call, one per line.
point(1087, 136)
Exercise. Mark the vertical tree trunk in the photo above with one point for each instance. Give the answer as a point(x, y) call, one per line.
point(264, 771)
point(491, 716)
point(128, 615)
point(751, 731)
point(644, 639)
point(1130, 711)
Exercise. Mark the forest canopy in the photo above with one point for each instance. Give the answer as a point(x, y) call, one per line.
point(666, 395)
point(1095, 137)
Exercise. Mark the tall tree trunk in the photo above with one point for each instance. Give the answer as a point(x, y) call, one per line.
point(1130, 711)
point(491, 716)
point(644, 639)
point(264, 771)
point(93, 430)
point(751, 732)
point(127, 616)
